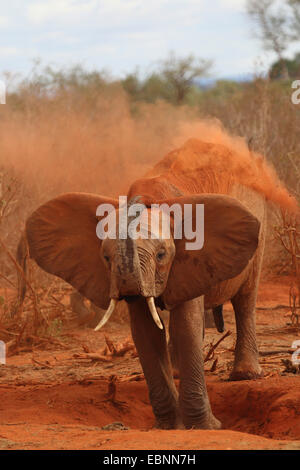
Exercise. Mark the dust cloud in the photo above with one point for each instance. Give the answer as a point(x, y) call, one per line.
point(54, 147)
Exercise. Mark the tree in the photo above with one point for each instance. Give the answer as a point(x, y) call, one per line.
point(295, 23)
point(132, 85)
point(180, 74)
point(277, 26)
point(151, 88)
point(291, 65)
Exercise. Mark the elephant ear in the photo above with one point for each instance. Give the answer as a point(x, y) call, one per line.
point(62, 239)
point(231, 235)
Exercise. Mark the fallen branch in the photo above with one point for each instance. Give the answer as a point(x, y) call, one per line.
point(2, 330)
point(277, 307)
point(213, 347)
point(110, 345)
point(47, 366)
point(112, 391)
point(118, 350)
point(10, 347)
point(124, 348)
point(92, 356)
point(214, 366)
point(276, 351)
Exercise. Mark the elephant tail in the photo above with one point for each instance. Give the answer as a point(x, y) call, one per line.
point(21, 257)
point(218, 317)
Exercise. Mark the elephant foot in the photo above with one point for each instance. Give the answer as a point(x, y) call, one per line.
point(167, 426)
point(210, 423)
point(171, 422)
point(213, 423)
point(246, 373)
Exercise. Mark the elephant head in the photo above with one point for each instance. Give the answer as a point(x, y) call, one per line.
point(62, 239)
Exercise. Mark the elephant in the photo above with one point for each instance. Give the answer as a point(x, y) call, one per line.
point(160, 272)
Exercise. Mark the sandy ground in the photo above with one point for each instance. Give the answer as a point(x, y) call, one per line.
point(56, 398)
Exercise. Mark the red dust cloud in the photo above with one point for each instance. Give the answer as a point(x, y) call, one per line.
point(55, 147)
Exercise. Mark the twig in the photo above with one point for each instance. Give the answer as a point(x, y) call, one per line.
point(57, 301)
point(2, 330)
point(47, 366)
point(110, 345)
point(47, 340)
point(277, 307)
point(21, 271)
point(276, 351)
point(214, 366)
point(111, 393)
point(209, 355)
point(7, 280)
point(92, 356)
point(118, 350)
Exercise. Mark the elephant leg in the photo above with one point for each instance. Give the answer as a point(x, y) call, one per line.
point(209, 318)
point(151, 345)
point(246, 364)
point(186, 332)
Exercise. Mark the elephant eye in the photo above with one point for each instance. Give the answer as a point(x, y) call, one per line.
point(160, 254)
point(106, 258)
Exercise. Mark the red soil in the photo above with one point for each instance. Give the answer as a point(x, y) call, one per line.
point(61, 403)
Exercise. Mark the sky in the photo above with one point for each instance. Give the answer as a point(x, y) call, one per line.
point(123, 35)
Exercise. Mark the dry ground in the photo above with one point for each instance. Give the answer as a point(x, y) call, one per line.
point(56, 398)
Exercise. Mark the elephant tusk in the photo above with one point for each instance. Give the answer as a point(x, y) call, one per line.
point(107, 315)
point(155, 316)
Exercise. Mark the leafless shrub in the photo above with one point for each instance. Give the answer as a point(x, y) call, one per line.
point(288, 235)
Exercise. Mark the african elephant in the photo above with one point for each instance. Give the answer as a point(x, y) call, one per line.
point(161, 272)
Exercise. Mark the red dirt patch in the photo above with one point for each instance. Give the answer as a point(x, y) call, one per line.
point(52, 399)
point(72, 415)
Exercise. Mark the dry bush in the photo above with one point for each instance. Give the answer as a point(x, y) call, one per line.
point(288, 234)
point(263, 113)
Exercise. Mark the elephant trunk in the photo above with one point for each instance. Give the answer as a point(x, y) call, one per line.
point(128, 278)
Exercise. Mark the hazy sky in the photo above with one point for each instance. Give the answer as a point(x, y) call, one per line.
point(120, 35)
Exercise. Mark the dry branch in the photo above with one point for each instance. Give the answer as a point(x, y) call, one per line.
point(42, 364)
point(288, 235)
point(214, 366)
point(112, 391)
point(21, 272)
point(277, 307)
point(213, 347)
point(92, 357)
point(119, 349)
